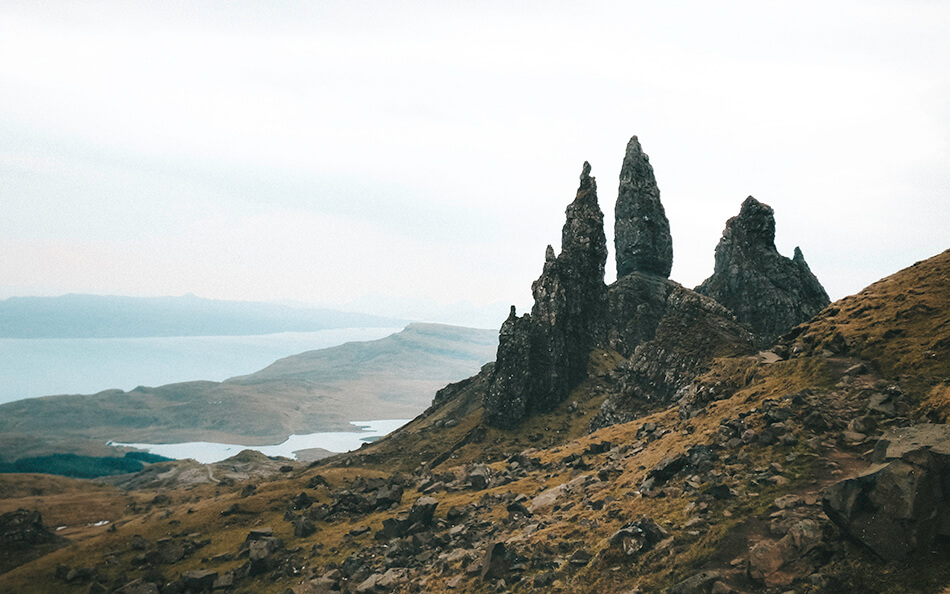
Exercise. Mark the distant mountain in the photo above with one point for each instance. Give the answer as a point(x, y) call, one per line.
point(109, 316)
point(391, 378)
point(462, 313)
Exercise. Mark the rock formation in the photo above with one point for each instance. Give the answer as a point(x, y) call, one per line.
point(669, 335)
point(22, 528)
point(764, 290)
point(899, 507)
point(641, 230)
point(543, 355)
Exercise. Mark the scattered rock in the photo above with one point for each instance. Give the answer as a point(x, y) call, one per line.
point(303, 526)
point(494, 564)
point(638, 536)
point(422, 511)
point(301, 501)
point(580, 557)
point(169, 550)
point(199, 580)
point(317, 481)
point(479, 477)
point(138, 587)
point(700, 583)
point(23, 528)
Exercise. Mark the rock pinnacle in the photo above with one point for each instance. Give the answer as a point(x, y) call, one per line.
point(642, 237)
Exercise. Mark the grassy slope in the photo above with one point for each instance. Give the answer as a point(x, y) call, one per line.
point(902, 325)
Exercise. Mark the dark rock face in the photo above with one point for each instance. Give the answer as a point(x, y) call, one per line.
point(510, 390)
point(898, 509)
point(23, 528)
point(765, 290)
point(543, 356)
point(670, 336)
point(642, 237)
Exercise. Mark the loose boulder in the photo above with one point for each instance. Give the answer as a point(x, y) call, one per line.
point(899, 506)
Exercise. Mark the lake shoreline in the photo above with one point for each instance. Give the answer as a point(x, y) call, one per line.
point(331, 441)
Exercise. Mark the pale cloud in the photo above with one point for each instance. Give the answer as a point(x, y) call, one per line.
point(319, 151)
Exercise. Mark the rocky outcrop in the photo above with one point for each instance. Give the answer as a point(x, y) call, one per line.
point(765, 290)
point(642, 237)
point(543, 355)
point(669, 335)
point(23, 528)
point(899, 507)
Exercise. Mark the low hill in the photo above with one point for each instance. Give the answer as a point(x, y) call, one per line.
point(321, 390)
point(110, 316)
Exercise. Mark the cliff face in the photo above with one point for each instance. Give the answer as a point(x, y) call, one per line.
point(543, 355)
point(768, 292)
point(669, 336)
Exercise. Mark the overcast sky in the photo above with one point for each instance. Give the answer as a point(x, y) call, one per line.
point(317, 152)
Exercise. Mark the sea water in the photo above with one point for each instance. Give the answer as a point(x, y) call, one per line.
point(31, 367)
point(210, 452)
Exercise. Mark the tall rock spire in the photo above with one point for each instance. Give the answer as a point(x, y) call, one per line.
point(543, 356)
point(642, 237)
point(763, 289)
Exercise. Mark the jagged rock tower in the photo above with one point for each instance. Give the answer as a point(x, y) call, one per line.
point(543, 355)
point(642, 239)
point(667, 335)
point(763, 289)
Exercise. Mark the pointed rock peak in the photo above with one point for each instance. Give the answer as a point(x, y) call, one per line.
point(799, 260)
point(641, 230)
point(799, 257)
point(582, 237)
point(513, 313)
point(754, 226)
point(543, 355)
point(636, 164)
point(586, 180)
point(634, 150)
